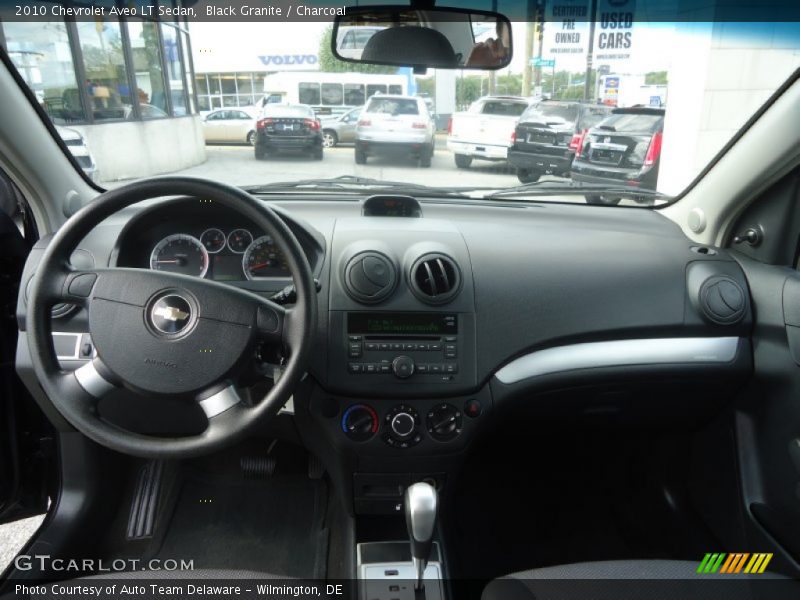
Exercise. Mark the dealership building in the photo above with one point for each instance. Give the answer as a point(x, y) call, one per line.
point(127, 86)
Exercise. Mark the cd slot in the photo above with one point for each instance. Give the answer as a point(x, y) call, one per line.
point(389, 338)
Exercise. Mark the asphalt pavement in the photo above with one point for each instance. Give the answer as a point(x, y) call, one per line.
point(237, 165)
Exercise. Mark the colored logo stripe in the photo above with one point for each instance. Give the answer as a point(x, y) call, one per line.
point(735, 562)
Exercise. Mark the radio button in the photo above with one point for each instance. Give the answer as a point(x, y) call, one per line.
point(423, 347)
point(403, 367)
point(371, 346)
point(354, 367)
point(437, 347)
point(451, 368)
point(384, 347)
point(355, 350)
point(409, 346)
point(385, 368)
point(354, 338)
point(397, 346)
point(450, 338)
point(424, 368)
point(370, 368)
point(436, 368)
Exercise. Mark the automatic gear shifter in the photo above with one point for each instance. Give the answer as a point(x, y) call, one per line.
point(421, 506)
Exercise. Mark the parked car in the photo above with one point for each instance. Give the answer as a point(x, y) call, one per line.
point(230, 125)
point(148, 111)
point(623, 149)
point(547, 134)
point(288, 128)
point(484, 130)
point(80, 151)
point(395, 124)
point(340, 129)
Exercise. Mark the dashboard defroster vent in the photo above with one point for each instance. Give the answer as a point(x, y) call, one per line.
point(435, 278)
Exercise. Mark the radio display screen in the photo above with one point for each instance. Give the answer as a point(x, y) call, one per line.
point(402, 323)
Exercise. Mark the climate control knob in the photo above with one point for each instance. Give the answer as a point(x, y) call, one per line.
point(444, 422)
point(403, 367)
point(360, 422)
point(401, 427)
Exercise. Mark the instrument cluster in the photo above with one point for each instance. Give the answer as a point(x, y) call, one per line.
point(220, 254)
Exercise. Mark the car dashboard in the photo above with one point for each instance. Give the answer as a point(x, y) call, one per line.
point(441, 318)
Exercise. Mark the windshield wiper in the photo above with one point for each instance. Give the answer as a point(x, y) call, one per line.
point(552, 188)
point(348, 183)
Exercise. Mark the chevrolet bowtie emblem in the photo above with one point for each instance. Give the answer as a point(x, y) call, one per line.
point(170, 313)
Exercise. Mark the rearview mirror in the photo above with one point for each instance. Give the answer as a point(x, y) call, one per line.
point(444, 38)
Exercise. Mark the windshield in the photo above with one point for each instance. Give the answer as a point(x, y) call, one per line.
point(393, 106)
point(288, 111)
point(565, 112)
point(136, 93)
point(631, 122)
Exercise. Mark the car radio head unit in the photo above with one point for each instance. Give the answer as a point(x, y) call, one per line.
point(383, 324)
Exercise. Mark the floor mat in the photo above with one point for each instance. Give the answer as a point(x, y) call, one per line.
point(275, 526)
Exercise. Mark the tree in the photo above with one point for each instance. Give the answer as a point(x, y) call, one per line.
point(330, 64)
point(655, 78)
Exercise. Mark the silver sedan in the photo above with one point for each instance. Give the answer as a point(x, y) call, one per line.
point(230, 126)
point(341, 129)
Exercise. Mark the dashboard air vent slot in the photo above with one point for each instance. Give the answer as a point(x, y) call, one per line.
point(435, 278)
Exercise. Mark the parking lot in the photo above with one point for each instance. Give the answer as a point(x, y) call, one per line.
point(237, 165)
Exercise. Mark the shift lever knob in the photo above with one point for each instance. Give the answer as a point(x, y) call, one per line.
point(421, 505)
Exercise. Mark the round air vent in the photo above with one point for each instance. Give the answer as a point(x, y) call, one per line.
point(369, 277)
point(435, 278)
point(722, 300)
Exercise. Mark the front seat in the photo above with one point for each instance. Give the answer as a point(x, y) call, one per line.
point(630, 580)
point(410, 45)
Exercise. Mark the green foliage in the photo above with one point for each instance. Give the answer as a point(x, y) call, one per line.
point(655, 78)
point(330, 64)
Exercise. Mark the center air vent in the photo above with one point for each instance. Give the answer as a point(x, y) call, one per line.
point(369, 277)
point(435, 278)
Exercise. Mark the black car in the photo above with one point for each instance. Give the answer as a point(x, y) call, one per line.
point(288, 127)
point(547, 134)
point(624, 148)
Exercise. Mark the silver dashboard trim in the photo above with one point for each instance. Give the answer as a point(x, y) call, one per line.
point(220, 402)
point(76, 351)
point(92, 381)
point(620, 353)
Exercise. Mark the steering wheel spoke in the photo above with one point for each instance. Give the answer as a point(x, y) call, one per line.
point(94, 378)
point(220, 402)
point(272, 321)
point(68, 285)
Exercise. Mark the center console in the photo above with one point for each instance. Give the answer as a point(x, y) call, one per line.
point(400, 400)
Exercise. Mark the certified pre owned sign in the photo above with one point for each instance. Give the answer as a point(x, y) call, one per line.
point(171, 314)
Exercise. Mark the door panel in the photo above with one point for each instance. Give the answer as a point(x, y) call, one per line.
point(25, 435)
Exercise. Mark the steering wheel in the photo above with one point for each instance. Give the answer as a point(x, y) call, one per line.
point(166, 334)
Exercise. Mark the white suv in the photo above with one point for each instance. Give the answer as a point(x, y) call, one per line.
point(395, 124)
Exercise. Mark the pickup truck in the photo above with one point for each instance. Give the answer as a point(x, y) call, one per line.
point(484, 130)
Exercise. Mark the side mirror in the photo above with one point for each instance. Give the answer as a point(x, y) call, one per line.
point(438, 37)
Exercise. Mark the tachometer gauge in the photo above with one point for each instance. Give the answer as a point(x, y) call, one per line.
point(213, 240)
point(180, 253)
point(264, 259)
point(239, 240)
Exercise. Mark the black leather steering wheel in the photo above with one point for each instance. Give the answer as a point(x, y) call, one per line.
point(160, 333)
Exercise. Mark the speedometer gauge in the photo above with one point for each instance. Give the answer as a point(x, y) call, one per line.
point(180, 253)
point(264, 259)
